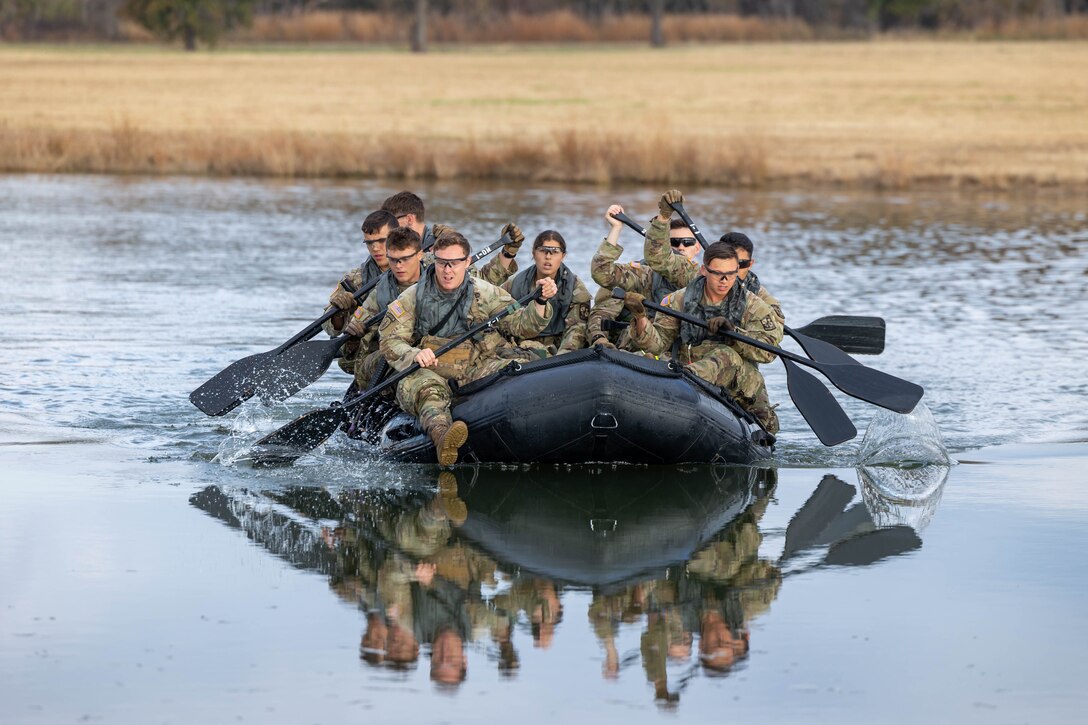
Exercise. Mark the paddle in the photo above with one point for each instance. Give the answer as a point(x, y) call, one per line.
point(856, 380)
point(827, 339)
point(312, 429)
point(278, 374)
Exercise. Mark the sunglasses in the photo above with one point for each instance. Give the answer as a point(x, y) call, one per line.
point(449, 263)
point(721, 276)
point(401, 260)
point(378, 240)
point(683, 241)
point(549, 250)
point(744, 263)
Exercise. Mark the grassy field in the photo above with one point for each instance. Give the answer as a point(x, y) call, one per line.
point(889, 114)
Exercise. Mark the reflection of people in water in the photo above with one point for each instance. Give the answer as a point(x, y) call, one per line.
point(407, 557)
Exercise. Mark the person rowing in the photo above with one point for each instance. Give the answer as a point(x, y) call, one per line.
point(715, 297)
point(634, 276)
point(745, 276)
point(376, 229)
point(567, 329)
point(444, 304)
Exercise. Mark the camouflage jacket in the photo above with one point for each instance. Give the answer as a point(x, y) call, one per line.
point(753, 284)
point(492, 272)
point(573, 336)
point(758, 322)
point(677, 269)
point(398, 341)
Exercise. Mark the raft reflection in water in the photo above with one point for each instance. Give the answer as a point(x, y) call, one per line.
point(488, 559)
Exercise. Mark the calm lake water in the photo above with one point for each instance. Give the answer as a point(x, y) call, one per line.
point(147, 574)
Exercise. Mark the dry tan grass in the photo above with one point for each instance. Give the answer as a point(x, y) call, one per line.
point(887, 114)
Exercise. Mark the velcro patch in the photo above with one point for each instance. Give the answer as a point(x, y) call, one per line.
point(666, 300)
point(583, 311)
point(768, 323)
point(397, 309)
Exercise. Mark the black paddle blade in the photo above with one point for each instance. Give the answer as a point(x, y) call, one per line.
point(871, 547)
point(849, 333)
point(304, 433)
point(821, 351)
point(273, 377)
point(873, 386)
point(818, 406)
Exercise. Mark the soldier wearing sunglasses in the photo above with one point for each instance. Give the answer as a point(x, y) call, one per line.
point(716, 297)
point(633, 276)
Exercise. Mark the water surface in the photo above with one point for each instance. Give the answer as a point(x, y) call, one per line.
point(144, 580)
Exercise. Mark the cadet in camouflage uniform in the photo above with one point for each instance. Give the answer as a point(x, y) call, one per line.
point(633, 277)
point(746, 277)
point(446, 303)
point(715, 297)
point(376, 228)
point(570, 306)
point(405, 259)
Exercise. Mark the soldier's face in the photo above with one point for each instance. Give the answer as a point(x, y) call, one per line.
point(744, 262)
point(721, 275)
point(375, 244)
point(404, 264)
point(687, 249)
point(547, 258)
point(450, 266)
point(447, 658)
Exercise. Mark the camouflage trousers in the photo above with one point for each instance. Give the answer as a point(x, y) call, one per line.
point(727, 369)
point(426, 394)
point(364, 368)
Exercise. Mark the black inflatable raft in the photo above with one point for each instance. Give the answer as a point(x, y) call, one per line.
point(594, 405)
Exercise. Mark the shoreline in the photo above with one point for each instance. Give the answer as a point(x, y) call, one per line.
point(572, 158)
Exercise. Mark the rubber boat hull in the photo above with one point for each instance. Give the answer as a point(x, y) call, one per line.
point(591, 406)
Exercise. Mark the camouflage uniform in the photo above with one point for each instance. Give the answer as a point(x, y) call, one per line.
point(572, 334)
point(425, 393)
point(356, 363)
point(676, 269)
point(753, 285)
point(631, 277)
point(730, 366)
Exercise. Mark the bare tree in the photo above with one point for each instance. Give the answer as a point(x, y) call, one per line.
point(657, 18)
point(419, 28)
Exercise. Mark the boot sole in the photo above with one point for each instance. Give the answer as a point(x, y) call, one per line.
point(451, 443)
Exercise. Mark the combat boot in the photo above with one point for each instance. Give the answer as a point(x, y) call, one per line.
point(448, 440)
point(760, 407)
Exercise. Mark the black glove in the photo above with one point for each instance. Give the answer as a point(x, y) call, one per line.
point(516, 238)
point(720, 324)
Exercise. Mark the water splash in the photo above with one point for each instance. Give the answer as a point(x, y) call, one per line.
point(902, 496)
point(894, 439)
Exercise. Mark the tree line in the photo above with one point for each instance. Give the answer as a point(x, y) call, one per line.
point(205, 21)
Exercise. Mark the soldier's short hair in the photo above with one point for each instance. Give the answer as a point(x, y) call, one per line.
point(403, 238)
point(404, 202)
point(677, 224)
point(452, 239)
point(375, 220)
point(550, 235)
point(718, 250)
point(738, 241)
